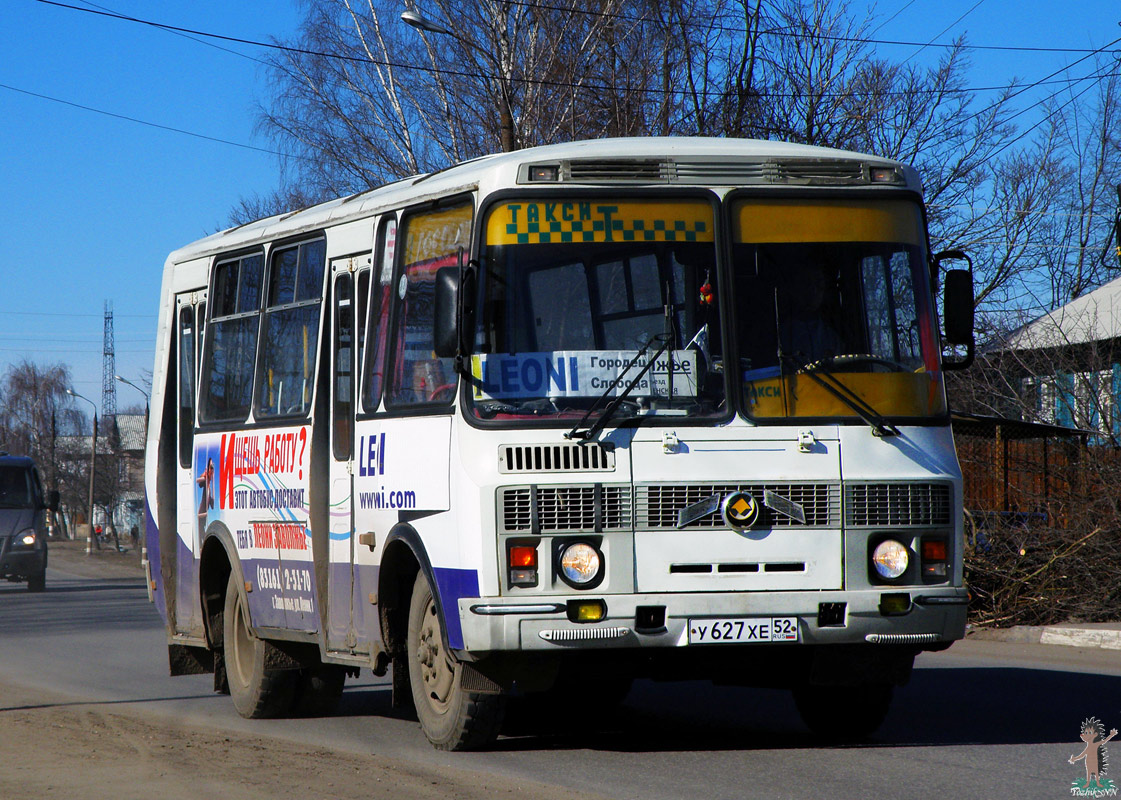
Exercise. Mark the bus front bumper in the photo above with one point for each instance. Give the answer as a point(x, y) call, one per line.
point(927, 617)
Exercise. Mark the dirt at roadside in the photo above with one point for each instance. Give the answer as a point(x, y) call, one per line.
point(71, 556)
point(54, 748)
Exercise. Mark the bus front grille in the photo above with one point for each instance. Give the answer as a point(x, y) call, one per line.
point(732, 171)
point(584, 508)
point(657, 506)
point(574, 457)
point(897, 505)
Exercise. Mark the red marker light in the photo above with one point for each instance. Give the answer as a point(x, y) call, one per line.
point(522, 560)
point(934, 550)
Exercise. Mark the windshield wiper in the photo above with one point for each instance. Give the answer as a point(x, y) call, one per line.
point(871, 417)
point(609, 412)
point(529, 408)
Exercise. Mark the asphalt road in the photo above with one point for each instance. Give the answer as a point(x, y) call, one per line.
point(985, 719)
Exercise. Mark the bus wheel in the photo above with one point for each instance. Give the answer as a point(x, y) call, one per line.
point(257, 692)
point(319, 690)
point(843, 713)
point(451, 717)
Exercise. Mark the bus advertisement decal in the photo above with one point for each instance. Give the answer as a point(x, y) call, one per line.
point(255, 484)
point(581, 373)
point(402, 465)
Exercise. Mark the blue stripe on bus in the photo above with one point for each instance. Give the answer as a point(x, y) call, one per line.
point(452, 585)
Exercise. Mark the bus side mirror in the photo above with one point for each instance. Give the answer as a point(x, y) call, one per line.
point(957, 309)
point(445, 335)
point(957, 306)
point(53, 499)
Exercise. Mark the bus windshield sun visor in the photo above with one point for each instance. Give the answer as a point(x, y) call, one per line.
point(820, 373)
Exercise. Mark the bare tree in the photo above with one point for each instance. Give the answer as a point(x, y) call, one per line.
point(362, 99)
point(35, 411)
point(365, 99)
point(1079, 257)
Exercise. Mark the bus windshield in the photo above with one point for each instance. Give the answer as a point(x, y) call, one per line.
point(832, 309)
point(578, 297)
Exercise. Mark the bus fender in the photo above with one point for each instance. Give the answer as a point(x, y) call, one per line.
point(217, 558)
point(395, 583)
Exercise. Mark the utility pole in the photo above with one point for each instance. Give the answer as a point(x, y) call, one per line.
point(92, 541)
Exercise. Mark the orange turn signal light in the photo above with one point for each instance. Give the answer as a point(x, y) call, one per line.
point(523, 556)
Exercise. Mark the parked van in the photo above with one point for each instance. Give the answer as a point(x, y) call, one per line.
point(23, 523)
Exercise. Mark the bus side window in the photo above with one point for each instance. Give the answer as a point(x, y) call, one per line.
point(231, 346)
point(432, 239)
point(380, 304)
point(362, 298)
point(200, 328)
point(186, 384)
point(342, 408)
point(291, 330)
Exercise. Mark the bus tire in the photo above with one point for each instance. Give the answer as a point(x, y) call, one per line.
point(843, 713)
point(257, 692)
point(319, 690)
point(451, 717)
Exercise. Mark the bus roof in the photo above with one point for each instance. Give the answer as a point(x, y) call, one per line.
point(625, 162)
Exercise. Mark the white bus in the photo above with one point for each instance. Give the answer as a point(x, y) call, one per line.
point(546, 421)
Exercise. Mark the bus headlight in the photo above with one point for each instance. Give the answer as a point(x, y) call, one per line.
point(890, 559)
point(26, 538)
point(581, 565)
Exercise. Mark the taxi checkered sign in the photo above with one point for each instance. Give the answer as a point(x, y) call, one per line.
point(568, 222)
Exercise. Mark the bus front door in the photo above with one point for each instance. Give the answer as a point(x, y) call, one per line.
point(350, 283)
point(194, 486)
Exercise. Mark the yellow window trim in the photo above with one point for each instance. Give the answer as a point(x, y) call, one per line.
point(780, 221)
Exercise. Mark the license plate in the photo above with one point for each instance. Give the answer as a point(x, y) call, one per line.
point(743, 630)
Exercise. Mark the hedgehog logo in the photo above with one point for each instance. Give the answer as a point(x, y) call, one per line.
point(1096, 759)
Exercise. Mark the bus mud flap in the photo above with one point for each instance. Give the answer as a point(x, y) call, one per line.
point(188, 660)
point(471, 680)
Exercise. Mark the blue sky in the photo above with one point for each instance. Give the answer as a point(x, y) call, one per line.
point(94, 203)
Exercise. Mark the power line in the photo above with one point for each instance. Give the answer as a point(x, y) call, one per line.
point(1033, 128)
point(559, 84)
point(184, 35)
point(881, 26)
point(943, 31)
point(65, 350)
point(139, 121)
point(63, 340)
point(77, 314)
point(787, 33)
point(996, 209)
point(1041, 81)
point(366, 60)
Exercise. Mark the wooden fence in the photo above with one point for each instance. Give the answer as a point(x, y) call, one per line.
point(1017, 473)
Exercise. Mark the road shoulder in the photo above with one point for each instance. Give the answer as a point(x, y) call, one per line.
point(54, 747)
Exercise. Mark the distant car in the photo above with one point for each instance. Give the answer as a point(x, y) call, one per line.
point(23, 523)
